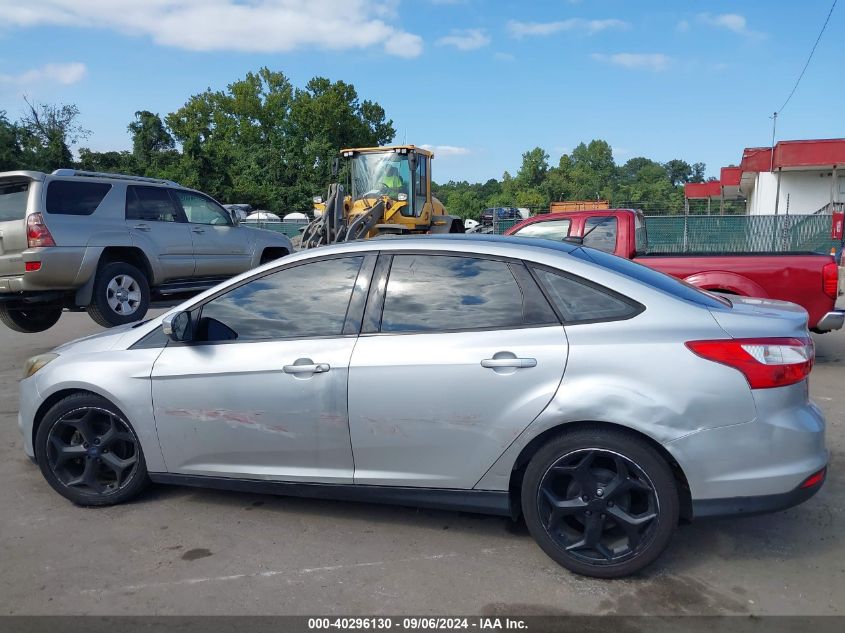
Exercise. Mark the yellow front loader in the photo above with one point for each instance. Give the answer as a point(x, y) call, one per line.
point(388, 192)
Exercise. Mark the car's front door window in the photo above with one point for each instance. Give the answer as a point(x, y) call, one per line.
point(302, 301)
point(201, 210)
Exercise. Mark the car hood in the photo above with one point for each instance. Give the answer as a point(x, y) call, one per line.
point(101, 341)
point(754, 317)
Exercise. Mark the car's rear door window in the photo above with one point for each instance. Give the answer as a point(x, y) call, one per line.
point(151, 204)
point(71, 197)
point(13, 197)
point(580, 301)
point(437, 293)
point(550, 230)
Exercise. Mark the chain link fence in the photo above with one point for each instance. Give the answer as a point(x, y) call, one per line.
point(740, 234)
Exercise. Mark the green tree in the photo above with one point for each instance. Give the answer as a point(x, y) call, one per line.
point(46, 133)
point(10, 148)
point(150, 141)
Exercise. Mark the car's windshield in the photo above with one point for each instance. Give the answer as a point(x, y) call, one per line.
point(382, 173)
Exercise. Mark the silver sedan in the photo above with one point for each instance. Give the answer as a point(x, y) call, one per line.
point(599, 399)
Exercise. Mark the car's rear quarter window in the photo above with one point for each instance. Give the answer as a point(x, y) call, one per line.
point(655, 279)
point(67, 197)
point(580, 301)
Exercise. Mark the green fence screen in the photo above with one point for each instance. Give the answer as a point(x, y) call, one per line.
point(739, 233)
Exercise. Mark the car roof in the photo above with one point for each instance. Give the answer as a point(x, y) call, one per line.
point(516, 247)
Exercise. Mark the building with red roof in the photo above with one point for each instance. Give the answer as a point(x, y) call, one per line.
point(800, 177)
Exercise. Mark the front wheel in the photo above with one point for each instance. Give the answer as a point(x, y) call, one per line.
point(601, 503)
point(88, 452)
point(30, 319)
point(121, 295)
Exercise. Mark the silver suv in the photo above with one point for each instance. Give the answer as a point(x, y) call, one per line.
point(109, 242)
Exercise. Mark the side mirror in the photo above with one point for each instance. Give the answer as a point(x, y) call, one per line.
point(177, 327)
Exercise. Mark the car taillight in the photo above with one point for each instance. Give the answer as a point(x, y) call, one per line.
point(765, 362)
point(815, 479)
point(830, 280)
point(37, 233)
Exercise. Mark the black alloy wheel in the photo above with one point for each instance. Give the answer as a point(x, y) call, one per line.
point(602, 503)
point(89, 453)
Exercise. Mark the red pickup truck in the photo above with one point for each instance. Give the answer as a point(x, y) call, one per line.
point(808, 279)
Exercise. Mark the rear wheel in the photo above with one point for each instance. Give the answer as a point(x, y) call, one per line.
point(30, 319)
point(121, 295)
point(601, 503)
point(88, 452)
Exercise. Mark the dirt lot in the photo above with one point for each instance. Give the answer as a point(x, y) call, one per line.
point(185, 551)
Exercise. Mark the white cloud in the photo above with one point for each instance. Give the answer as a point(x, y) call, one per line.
point(465, 39)
point(262, 26)
point(730, 21)
point(647, 61)
point(63, 74)
point(526, 29)
point(446, 150)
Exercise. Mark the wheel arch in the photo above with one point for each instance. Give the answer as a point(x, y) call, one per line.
point(269, 253)
point(128, 254)
point(50, 401)
point(531, 448)
point(724, 281)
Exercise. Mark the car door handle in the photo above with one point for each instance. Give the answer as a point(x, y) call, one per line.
point(142, 227)
point(197, 229)
point(516, 363)
point(314, 368)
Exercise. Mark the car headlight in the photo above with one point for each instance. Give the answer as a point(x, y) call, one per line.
point(35, 363)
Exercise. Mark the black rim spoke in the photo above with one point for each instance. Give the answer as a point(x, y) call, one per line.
point(600, 506)
point(93, 450)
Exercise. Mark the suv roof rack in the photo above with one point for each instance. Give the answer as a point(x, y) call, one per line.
point(103, 174)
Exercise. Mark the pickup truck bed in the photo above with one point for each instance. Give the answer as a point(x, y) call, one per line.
point(808, 279)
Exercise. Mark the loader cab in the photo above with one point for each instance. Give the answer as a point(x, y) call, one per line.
point(400, 174)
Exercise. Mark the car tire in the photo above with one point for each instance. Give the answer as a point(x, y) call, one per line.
point(89, 453)
point(31, 319)
point(601, 503)
point(121, 295)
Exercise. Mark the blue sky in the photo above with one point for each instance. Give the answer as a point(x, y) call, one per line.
point(480, 80)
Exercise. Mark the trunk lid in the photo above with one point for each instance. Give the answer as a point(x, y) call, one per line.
point(16, 196)
point(753, 317)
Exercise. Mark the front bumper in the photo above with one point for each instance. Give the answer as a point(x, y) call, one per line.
point(28, 405)
point(833, 320)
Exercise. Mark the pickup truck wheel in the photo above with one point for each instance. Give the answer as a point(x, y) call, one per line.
point(599, 502)
point(121, 295)
point(30, 320)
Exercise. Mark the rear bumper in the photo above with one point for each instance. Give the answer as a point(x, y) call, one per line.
point(60, 266)
point(833, 320)
point(704, 508)
point(758, 464)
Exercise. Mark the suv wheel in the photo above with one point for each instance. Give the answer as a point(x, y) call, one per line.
point(121, 295)
point(601, 503)
point(88, 452)
point(31, 319)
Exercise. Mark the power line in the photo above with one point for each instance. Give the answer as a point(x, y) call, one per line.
point(798, 81)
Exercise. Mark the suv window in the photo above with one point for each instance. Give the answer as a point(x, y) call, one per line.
point(13, 200)
point(306, 300)
point(550, 230)
point(202, 210)
point(429, 293)
point(70, 197)
point(604, 236)
point(578, 300)
point(150, 204)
